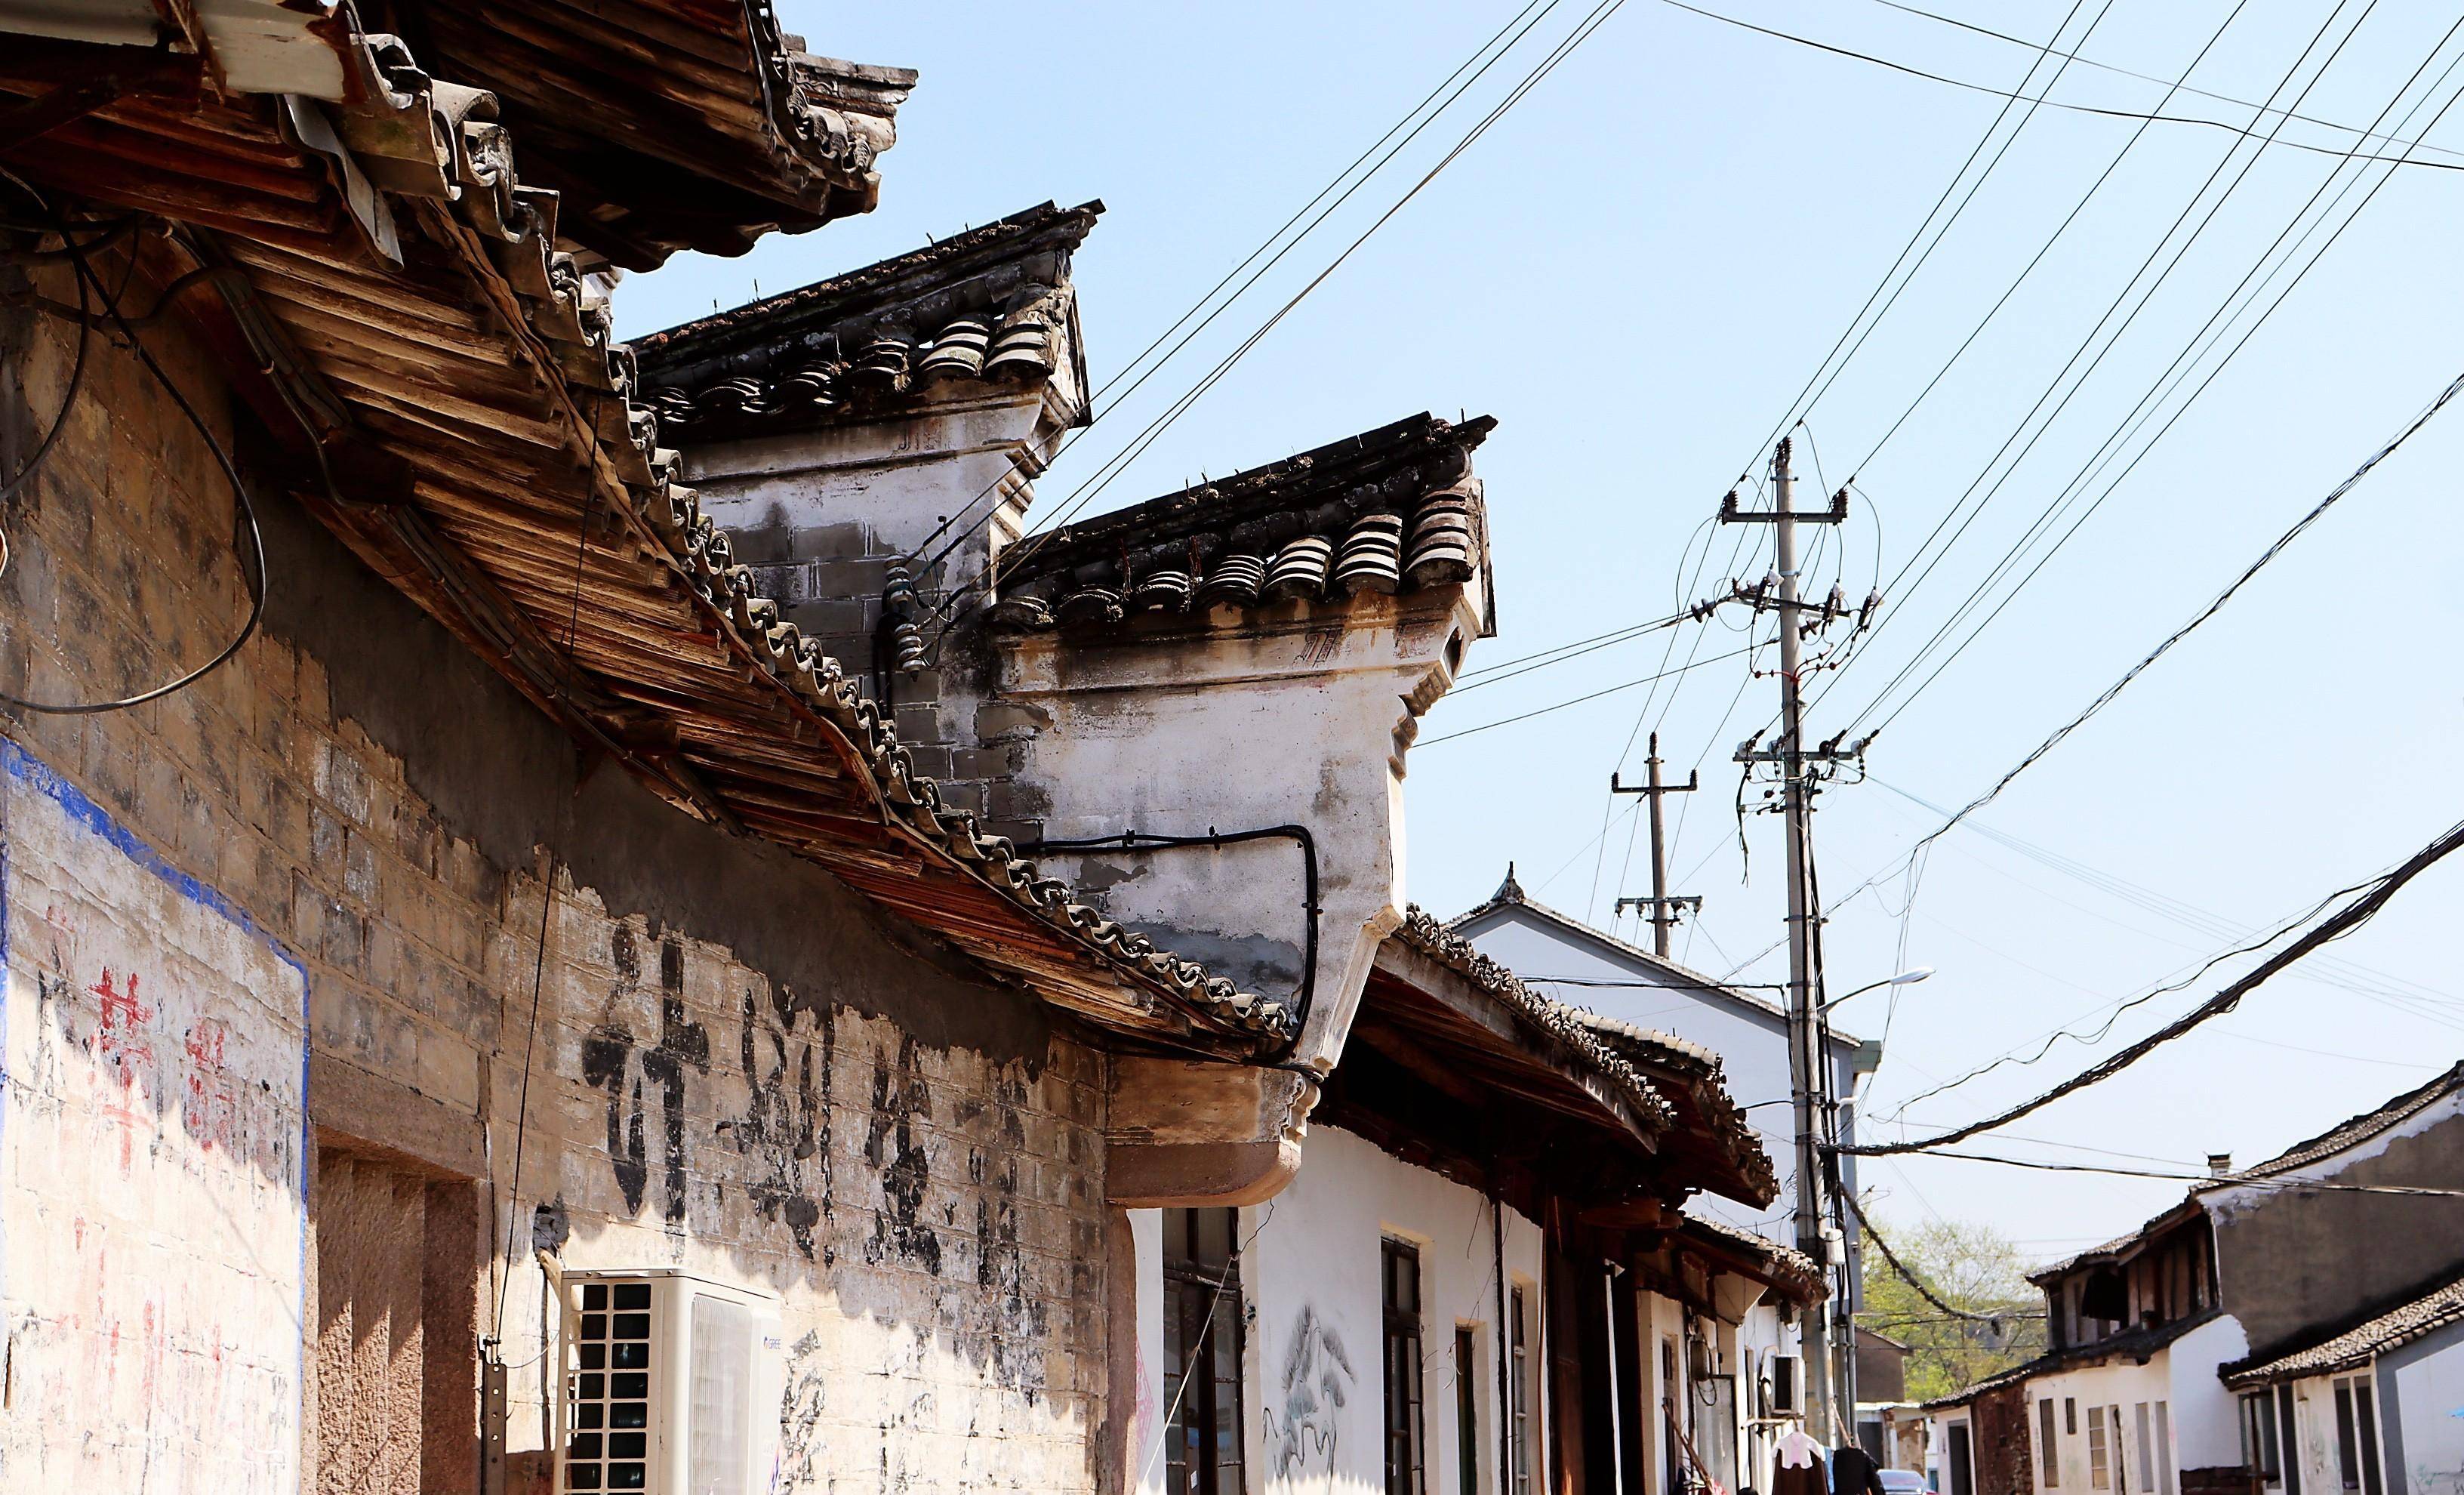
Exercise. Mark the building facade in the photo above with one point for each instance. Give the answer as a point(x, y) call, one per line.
point(525, 1014)
point(2150, 1334)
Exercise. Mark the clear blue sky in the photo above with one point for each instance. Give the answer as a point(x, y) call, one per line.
point(1635, 272)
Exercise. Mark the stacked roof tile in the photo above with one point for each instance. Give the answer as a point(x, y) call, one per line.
point(1391, 510)
point(990, 308)
point(528, 501)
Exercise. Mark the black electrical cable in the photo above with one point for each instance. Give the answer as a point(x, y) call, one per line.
point(2144, 117)
point(68, 398)
point(2280, 1185)
point(2158, 391)
point(1961, 509)
point(1506, 721)
point(1924, 1290)
point(2145, 77)
point(1926, 222)
point(926, 567)
point(2055, 237)
point(2353, 915)
point(1146, 438)
point(2128, 467)
point(253, 574)
point(2215, 605)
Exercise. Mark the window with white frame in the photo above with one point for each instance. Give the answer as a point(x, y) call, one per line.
point(1519, 1388)
point(2147, 1448)
point(2050, 1452)
point(2100, 1470)
point(2258, 1436)
point(665, 1382)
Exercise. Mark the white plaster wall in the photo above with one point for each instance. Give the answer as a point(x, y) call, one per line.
point(896, 479)
point(1752, 1047)
point(2107, 1385)
point(1314, 1331)
point(1291, 720)
point(2207, 1417)
point(2430, 1392)
point(153, 1211)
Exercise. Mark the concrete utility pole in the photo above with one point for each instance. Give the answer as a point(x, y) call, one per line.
point(1826, 1420)
point(1662, 907)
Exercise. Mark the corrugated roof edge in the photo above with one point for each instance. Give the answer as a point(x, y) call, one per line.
point(1421, 930)
point(391, 84)
point(1782, 1262)
point(866, 290)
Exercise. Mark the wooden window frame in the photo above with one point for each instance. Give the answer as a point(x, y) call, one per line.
point(1202, 1288)
point(1405, 1414)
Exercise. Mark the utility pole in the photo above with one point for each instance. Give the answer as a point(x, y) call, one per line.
point(1797, 767)
point(1662, 908)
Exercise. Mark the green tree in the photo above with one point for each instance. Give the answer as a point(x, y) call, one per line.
point(1971, 1267)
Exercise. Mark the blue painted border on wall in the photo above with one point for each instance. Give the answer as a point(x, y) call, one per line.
point(40, 777)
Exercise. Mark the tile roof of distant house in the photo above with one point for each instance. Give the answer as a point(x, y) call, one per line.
point(2137, 1344)
point(988, 308)
point(1510, 894)
point(2343, 1136)
point(2354, 1347)
point(1793, 1271)
point(1391, 510)
point(2362, 1128)
point(1684, 1081)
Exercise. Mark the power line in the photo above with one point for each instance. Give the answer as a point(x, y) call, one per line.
point(1961, 509)
point(2147, 118)
point(1506, 721)
point(2158, 394)
point(1339, 177)
point(2353, 915)
point(2219, 1180)
point(1137, 446)
point(1923, 225)
point(2145, 77)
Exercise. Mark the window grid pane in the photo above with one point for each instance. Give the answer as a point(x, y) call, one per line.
point(607, 1399)
point(1203, 1327)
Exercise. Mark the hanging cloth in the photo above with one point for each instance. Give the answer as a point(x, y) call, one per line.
point(1797, 1451)
point(1799, 1469)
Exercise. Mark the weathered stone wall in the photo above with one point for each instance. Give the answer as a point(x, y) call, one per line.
point(739, 1067)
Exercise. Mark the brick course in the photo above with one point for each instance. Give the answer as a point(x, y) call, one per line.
point(928, 1217)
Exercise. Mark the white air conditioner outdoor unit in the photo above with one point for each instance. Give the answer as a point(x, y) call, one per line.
point(672, 1386)
point(1786, 1377)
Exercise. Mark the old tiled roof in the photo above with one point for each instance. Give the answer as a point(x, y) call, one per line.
point(1694, 1080)
point(1662, 1048)
point(1789, 1270)
point(2345, 1134)
point(489, 463)
point(2121, 1247)
point(2362, 1128)
point(684, 123)
point(1424, 933)
point(1391, 510)
point(2137, 1344)
point(2355, 1347)
point(991, 307)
